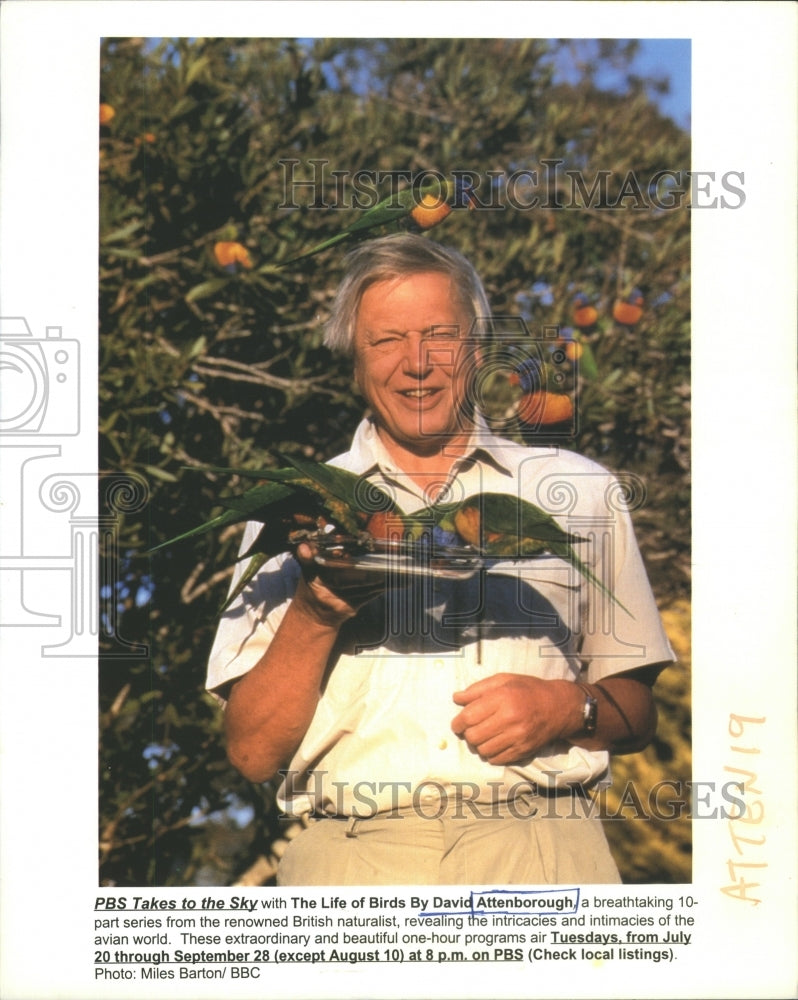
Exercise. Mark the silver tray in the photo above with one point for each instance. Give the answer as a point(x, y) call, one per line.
point(411, 558)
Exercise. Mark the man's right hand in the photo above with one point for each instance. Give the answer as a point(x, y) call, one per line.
point(333, 595)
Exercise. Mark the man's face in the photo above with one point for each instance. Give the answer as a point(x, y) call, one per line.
point(409, 336)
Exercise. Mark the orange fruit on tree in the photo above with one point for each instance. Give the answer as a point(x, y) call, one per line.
point(573, 350)
point(630, 310)
point(585, 313)
point(545, 408)
point(626, 313)
point(585, 316)
point(106, 113)
point(228, 252)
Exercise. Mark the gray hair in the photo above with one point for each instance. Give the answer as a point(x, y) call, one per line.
point(392, 257)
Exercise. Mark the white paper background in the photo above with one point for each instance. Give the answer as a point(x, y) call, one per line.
point(744, 86)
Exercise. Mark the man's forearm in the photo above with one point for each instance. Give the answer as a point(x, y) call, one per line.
point(271, 707)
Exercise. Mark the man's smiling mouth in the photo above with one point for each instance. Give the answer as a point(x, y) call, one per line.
point(417, 393)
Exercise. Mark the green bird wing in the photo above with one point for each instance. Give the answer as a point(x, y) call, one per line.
point(514, 528)
point(255, 563)
point(347, 498)
point(565, 551)
point(535, 531)
point(273, 475)
point(511, 516)
point(387, 212)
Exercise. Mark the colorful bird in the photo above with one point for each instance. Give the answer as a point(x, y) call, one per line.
point(420, 208)
point(349, 499)
point(305, 496)
point(584, 312)
point(628, 311)
point(307, 489)
point(504, 525)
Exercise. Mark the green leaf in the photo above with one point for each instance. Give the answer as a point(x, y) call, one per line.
point(206, 289)
point(199, 347)
point(196, 67)
point(124, 233)
point(162, 474)
point(123, 252)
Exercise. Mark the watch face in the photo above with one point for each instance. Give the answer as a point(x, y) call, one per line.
point(590, 713)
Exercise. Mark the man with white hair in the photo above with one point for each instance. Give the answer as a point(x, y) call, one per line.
point(442, 731)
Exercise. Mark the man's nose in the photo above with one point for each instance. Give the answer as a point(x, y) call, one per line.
point(417, 359)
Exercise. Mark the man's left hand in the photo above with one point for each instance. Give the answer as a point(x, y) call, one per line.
point(506, 718)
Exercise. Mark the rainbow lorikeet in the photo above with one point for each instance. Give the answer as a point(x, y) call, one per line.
point(420, 207)
point(309, 497)
point(502, 525)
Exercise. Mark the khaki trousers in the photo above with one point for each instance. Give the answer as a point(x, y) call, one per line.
point(539, 840)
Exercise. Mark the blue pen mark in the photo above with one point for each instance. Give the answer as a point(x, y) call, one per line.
point(508, 902)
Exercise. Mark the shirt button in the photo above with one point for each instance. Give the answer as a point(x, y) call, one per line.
point(443, 744)
point(438, 663)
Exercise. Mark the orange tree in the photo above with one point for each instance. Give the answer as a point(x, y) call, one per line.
point(211, 353)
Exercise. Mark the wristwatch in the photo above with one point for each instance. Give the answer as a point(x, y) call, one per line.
point(590, 713)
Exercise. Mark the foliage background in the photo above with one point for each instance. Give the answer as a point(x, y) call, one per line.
point(200, 365)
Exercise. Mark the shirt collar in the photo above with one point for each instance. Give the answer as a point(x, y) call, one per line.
point(497, 451)
point(368, 452)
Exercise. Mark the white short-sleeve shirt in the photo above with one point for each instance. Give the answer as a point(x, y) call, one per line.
point(381, 735)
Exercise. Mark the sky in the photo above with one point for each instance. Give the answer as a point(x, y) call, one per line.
point(672, 57)
point(659, 57)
